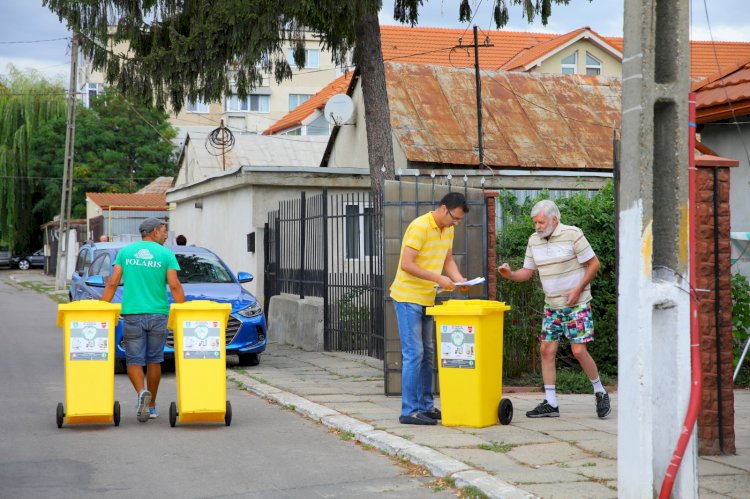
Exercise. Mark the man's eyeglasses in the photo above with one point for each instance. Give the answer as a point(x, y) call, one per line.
point(454, 217)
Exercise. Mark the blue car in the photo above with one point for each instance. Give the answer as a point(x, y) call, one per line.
point(204, 276)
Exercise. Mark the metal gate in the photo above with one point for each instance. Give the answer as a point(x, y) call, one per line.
point(404, 200)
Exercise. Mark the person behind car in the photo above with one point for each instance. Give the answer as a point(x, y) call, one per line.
point(104, 238)
point(146, 267)
point(181, 240)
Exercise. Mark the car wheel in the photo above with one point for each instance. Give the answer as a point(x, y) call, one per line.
point(249, 359)
point(24, 264)
point(120, 366)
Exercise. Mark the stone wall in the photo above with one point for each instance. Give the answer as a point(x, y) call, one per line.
point(717, 367)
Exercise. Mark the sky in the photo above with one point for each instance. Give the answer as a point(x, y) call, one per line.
point(26, 25)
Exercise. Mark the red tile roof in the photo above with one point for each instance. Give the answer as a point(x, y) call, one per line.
point(132, 201)
point(435, 46)
point(317, 101)
point(160, 185)
point(530, 119)
point(723, 96)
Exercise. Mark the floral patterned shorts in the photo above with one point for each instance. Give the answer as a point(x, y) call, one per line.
point(575, 323)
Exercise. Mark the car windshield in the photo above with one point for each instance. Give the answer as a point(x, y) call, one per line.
point(201, 268)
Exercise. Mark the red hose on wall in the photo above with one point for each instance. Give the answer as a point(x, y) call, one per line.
point(695, 360)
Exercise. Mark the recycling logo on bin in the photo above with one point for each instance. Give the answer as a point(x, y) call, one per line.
point(201, 339)
point(457, 347)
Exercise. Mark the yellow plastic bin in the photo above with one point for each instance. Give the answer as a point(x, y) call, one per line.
point(89, 346)
point(200, 362)
point(470, 367)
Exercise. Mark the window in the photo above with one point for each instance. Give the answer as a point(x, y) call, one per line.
point(312, 58)
point(319, 126)
point(94, 90)
point(253, 103)
point(196, 106)
point(297, 99)
point(570, 64)
point(358, 228)
point(593, 65)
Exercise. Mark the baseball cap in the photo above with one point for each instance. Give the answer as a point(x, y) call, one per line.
point(148, 225)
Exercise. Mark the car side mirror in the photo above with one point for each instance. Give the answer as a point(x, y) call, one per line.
point(96, 281)
point(245, 276)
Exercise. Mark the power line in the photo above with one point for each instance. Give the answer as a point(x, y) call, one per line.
point(35, 41)
point(723, 84)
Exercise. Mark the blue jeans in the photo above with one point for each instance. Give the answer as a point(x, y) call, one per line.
point(417, 333)
point(145, 336)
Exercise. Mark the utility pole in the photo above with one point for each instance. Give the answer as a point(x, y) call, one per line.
point(477, 77)
point(654, 347)
point(67, 185)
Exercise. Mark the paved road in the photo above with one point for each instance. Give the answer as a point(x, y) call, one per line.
point(267, 452)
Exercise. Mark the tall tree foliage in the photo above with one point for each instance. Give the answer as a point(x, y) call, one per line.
point(120, 147)
point(27, 103)
point(203, 49)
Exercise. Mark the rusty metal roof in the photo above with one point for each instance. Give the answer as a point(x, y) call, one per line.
point(530, 120)
point(159, 185)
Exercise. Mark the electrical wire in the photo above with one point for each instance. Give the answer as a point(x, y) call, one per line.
point(36, 41)
point(723, 84)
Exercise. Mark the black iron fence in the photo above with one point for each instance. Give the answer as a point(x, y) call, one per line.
point(326, 246)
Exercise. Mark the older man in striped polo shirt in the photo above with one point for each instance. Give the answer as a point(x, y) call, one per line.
point(426, 252)
point(566, 265)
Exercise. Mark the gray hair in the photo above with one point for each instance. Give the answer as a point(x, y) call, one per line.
point(549, 208)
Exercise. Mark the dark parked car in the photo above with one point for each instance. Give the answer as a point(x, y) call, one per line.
point(204, 276)
point(4, 254)
point(34, 260)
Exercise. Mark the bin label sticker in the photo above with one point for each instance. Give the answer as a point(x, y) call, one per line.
point(457, 347)
point(201, 339)
point(89, 340)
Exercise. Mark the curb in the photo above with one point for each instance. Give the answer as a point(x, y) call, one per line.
point(440, 465)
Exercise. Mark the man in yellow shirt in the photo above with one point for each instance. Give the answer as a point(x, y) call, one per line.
point(426, 252)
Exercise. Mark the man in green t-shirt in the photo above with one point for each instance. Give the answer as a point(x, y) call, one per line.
point(147, 268)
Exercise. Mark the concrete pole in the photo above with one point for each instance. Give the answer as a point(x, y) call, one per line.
point(654, 349)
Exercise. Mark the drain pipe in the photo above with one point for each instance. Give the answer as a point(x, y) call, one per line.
point(695, 359)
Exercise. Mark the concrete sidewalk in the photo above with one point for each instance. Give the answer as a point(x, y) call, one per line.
point(574, 456)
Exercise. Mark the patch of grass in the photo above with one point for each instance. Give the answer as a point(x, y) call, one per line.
point(563, 465)
point(368, 447)
point(260, 380)
point(346, 436)
point(496, 447)
point(289, 407)
point(443, 484)
point(471, 492)
point(589, 464)
point(612, 487)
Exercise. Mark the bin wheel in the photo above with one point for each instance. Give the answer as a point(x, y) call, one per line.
point(172, 414)
point(60, 414)
point(505, 411)
point(228, 414)
point(116, 413)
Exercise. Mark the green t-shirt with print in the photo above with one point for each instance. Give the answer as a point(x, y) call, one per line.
point(144, 272)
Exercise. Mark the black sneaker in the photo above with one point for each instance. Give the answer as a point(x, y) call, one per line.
point(434, 413)
point(544, 410)
point(416, 418)
point(602, 405)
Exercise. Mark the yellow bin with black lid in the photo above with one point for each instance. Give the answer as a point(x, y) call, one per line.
point(89, 348)
point(199, 328)
point(470, 362)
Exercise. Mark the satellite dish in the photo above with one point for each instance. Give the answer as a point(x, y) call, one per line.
point(339, 109)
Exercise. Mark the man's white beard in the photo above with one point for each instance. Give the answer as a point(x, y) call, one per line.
point(546, 232)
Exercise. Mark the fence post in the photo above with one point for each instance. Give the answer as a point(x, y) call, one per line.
point(324, 221)
point(302, 247)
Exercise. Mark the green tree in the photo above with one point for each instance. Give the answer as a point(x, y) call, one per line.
point(204, 49)
point(27, 103)
point(120, 147)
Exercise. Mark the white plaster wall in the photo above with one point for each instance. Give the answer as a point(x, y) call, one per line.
point(726, 141)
